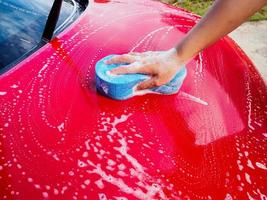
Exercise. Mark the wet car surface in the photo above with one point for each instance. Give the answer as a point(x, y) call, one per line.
point(60, 139)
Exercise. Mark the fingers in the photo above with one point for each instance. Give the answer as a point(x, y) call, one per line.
point(126, 58)
point(126, 69)
point(150, 83)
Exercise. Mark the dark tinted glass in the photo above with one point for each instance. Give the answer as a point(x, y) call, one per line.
point(22, 23)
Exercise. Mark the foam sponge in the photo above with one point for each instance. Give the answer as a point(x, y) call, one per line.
point(121, 87)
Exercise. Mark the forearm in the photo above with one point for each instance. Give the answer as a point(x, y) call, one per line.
point(223, 17)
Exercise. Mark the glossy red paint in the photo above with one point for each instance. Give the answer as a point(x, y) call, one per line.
point(60, 139)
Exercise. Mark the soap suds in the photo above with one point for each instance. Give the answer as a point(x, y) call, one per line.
point(61, 127)
point(193, 98)
point(260, 165)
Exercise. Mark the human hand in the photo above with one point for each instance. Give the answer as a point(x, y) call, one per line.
point(162, 66)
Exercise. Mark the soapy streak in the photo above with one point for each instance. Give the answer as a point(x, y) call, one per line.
point(132, 160)
point(181, 94)
point(150, 35)
point(138, 171)
point(138, 193)
point(193, 98)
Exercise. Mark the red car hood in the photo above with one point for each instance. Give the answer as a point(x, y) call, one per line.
point(60, 139)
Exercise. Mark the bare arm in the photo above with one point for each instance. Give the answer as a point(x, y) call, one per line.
point(223, 17)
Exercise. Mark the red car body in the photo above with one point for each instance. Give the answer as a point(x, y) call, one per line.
point(60, 139)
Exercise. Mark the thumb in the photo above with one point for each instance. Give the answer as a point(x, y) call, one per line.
point(150, 83)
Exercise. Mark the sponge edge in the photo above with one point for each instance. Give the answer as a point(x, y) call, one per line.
point(122, 87)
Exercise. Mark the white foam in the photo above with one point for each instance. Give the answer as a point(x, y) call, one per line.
point(122, 173)
point(121, 166)
point(249, 164)
point(249, 196)
point(30, 180)
point(262, 196)
point(193, 98)
point(71, 173)
point(111, 162)
point(144, 190)
point(42, 69)
point(56, 157)
point(132, 160)
point(14, 86)
point(110, 168)
point(240, 166)
point(137, 192)
point(87, 182)
point(102, 196)
point(260, 165)
point(117, 120)
point(149, 35)
point(85, 154)
point(81, 164)
point(146, 145)
point(95, 149)
point(45, 195)
point(247, 176)
point(3, 93)
point(161, 151)
point(138, 135)
point(56, 192)
point(200, 62)
point(37, 186)
point(61, 127)
point(123, 118)
point(100, 184)
point(87, 144)
point(64, 188)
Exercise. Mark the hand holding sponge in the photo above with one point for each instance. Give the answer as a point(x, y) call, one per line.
point(122, 87)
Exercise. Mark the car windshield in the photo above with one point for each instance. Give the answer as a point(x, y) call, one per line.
point(22, 23)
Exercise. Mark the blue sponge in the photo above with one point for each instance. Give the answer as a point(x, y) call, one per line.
point(122, 87)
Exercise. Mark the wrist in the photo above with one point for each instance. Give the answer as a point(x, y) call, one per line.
point(180, 52)
point(179, 62)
